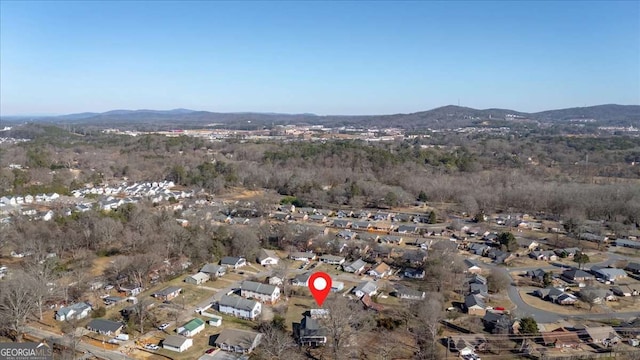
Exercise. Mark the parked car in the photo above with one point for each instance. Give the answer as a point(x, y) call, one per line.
point(152, 347)
point(108, 287)
point(212, 350)
point(163, 326)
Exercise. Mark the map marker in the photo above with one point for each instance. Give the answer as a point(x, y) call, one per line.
point(320, 286)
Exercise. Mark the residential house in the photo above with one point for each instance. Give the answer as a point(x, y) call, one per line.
point(478, 279)
point(619, 291)
point(168, 293)
point(380, 271)
point(268, 257)
point(474, 305)
point(177, 343)
point(332, 259)
point(347, 234)
point(391, 239)
point(556, 295)
point(262, 292)
point(239, 307)
point(633, 244)
point(105, 327)
point(281, 216)
point(577, 276)
point(527, 244)
point(340, 223)
point(276, 279)
point(76, 311)
point(309, 332)
point(604, 335)
point(354, 267)
point(478, 249)
point(536, 275)
point(546, 255)
point(407, 229)
point(197, 278)
point(412, 273)
point(238, 341)
point(404, 292)
point(214, 270)
point(337, 286)
point(302, 256)
point(472, 266)
point(414, 257)
point(318, 218)
point(301, 279)
point(130, 289)
point(365, 288)
point(360, 225)
point(633, 267)
point(599, 295)
point(561, 338)
point(609, 274)
point(566, 252)
point(467, 344)
point(191, 328)
point(499, 323)
point(593, 237)
point(112, 300)
point(481, 290)
point(233, 262)
point(566, 299)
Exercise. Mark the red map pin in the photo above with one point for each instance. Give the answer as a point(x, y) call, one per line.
point(320, 286)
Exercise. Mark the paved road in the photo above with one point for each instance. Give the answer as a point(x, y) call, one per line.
point(544, 316)
point(82, 346)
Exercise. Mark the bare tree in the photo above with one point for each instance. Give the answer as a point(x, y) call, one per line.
point(345, 320)
point(591, 296)
point(428, 313)
point(275, 343)
point(17, 302)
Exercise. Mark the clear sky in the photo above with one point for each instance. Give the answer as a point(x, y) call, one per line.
point(318, 57)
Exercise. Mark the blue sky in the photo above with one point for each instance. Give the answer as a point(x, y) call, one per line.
point(319, 57)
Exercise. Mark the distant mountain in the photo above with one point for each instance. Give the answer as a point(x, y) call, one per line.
point(449, 116)
point(609, 112)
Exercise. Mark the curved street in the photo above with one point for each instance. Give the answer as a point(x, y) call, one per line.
point(545, 316)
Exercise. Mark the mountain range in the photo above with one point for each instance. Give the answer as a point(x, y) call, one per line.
point(443, 117)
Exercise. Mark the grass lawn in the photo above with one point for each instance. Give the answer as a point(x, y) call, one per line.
point(297, 306)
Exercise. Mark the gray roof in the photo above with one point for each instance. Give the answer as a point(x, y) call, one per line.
point(354, 266)
point(230, 260)
point(257, 287)
point(331, 257)
point(237, 302)
point(366, 287)
point(77, 307)
point(174, 341)
point(104, 325)
point(311, 327)
point(472, 300)
point(235, 337)
point(212, 268)
point(168, 290)
point(264, 254)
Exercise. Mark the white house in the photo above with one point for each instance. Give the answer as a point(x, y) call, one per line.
point(262, 292)
point(191, 328)
point(239, 307)
point(177, 343)
point(365, 288)
point(233, 262)
point(197, 278)
point(268, 257)
point(302, 256)
point(76, 311)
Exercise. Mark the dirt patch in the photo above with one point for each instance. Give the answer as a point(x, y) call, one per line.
point(100, 264)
